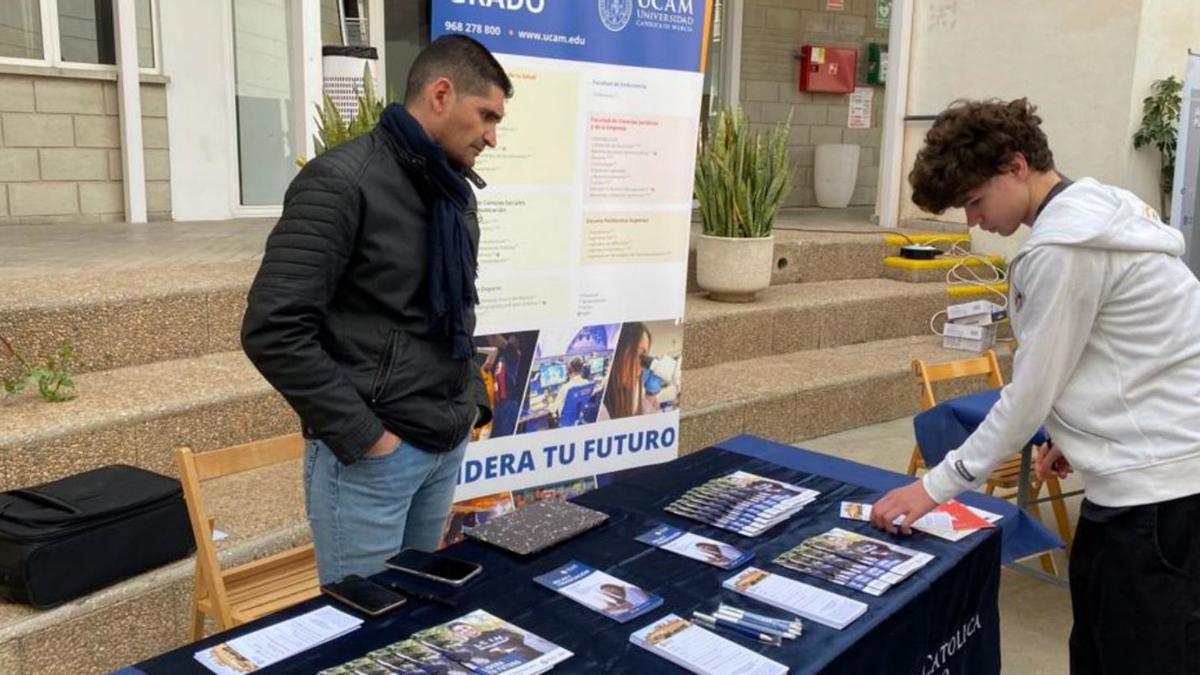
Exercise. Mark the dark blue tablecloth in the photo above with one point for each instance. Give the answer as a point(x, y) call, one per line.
point(948, 424)
point(944, 617)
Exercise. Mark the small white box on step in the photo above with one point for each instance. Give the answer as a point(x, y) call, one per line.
point(968, 338)
point(977, 313)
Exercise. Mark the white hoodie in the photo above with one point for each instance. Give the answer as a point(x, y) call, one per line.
point(1107, 317)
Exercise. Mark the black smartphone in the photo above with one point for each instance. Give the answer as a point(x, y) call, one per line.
point(364, 595)
point(434, 566)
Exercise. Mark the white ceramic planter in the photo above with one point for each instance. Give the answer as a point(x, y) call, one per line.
point(734, 269)
point(834, 174)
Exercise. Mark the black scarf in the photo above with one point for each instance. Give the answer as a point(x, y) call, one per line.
point(452, 256)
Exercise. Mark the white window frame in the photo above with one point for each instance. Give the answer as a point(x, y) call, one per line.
point(52, 47)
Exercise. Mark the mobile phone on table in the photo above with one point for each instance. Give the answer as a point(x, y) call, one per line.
point(364, 595)
point(434, 566)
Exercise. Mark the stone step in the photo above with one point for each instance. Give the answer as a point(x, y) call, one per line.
point(928, 271)
point(115, 319)
point(798, 317)
point(261, 511)
point(138, 415)
point(791, 397)
point(805, 256)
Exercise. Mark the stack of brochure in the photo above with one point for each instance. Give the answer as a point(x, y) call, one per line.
point(855, 561)
point(616, 599)
point(952, 521)
point(798, 598)
point(711, 551)
point(743, 503)
point(701, 651)
point(475, 643)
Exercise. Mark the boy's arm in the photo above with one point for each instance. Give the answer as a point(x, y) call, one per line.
point(1062, 295)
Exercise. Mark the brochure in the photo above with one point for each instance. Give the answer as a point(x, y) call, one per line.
point(277, 642)
point(616, 599)
point(952, 521)
point(693, 546)
point(699, 650)
point(490, 645)
point(798, 598)
point(742, 502)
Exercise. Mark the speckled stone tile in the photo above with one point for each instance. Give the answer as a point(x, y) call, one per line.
point(701, 429)
point(253, 503)
point(224, 313)
point(111, 637)
point(138, 416)
point(775, 418)
point(10, 658)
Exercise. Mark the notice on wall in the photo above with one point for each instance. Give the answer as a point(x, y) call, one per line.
point(860, 108)
point(584, 241)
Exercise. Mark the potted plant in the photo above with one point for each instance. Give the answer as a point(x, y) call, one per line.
point(1160, 128)
point(742, 178)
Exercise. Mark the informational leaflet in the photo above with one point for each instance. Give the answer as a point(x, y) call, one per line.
point(711, 551)
point(799, 598)
point(277, 642)
point(618, 600)
point(701, 651)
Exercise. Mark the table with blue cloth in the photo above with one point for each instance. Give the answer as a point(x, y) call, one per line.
point(942, 619)
point(948, 425)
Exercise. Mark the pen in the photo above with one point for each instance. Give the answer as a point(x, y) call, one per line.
point(764, 626)
point(794, 626)
point(708, 621)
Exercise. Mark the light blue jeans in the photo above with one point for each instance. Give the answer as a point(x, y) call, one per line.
point(363, 514)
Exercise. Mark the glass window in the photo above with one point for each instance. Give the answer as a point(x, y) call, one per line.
point(406, 32)
point(21, 29)
point(86, 32)
point(263, 39)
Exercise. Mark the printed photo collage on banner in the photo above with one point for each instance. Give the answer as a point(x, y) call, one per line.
point(597, 373)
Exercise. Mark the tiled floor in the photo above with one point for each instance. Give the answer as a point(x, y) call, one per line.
point(31, 250)
point(1035, 616)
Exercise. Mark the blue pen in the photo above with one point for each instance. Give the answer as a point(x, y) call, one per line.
point(784, 624)
point(713, 622)
point(763, 626)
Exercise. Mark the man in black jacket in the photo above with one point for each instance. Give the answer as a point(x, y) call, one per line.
point(362, 313)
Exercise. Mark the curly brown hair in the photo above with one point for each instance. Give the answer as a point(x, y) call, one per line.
point(972, 141)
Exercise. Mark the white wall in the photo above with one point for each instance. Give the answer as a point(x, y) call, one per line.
point(200, 118)
point(1086, 64)
point(1168, 28)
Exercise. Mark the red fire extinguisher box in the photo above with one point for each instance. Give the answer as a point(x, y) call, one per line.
point(829, 69)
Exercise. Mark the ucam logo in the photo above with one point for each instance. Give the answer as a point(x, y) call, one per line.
point(534, 6)
point(614, 14)
point(677, 6)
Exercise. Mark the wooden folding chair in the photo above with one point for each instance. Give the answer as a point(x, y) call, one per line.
point(1007, 476)
point(248, 591)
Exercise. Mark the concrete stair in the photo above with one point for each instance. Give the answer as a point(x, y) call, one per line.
point(827, 348)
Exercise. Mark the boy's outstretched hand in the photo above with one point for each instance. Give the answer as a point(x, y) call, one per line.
point(910, 501)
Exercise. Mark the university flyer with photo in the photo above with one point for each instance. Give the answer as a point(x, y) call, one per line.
point(870, 551)
point(490, 645)
point(699, 650)
point(711, 551)
point(616, 599)
point(742, 502)
point(952, 521)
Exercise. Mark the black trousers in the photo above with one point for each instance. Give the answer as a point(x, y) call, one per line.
point(1135, 591)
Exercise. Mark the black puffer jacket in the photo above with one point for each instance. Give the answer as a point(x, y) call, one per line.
point(338, 316)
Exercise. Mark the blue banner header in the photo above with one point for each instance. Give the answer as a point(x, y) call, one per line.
point(665, 34)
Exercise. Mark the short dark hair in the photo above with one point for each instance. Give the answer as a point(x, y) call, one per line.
point(971, 142)
point(466, 62)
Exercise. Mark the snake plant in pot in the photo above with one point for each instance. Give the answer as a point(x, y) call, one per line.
point(742, 178)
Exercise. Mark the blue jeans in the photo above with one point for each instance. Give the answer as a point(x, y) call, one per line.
point(365, 513)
